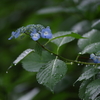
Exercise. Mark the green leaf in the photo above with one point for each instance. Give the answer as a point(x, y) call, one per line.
point(96, 25)
point(77, 36)
point(33, 62)
point(20, 57)
point(93, 36)
point(61, 38)
point(92, 90)
point(92, 48)
point(90, 72)
point(51, 73)
point(83, 88)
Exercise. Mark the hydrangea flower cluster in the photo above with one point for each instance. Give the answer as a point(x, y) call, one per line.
point(35, 31)
point(95, 58)
point(44, 33)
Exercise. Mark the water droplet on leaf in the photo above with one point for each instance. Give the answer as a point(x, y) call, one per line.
point(71, 63)
point(80, 53)
point(86, 65)
point(6, 71)
point(61, 75)
point(51, 53)
point(15, 64)
point(78, 64)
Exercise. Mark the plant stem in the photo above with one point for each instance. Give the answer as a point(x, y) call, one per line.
point(65, 59)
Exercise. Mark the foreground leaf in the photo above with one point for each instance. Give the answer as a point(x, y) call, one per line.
point(34, 61)
point(72, 34)
point(20, 57)
point(88, 73)
point(51, 73)
point(93, 36)
point(83, 88)
point(92, 90)
point(62, 40)
point(92, 48)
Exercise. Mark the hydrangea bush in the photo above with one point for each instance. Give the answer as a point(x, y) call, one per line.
point(52, 67)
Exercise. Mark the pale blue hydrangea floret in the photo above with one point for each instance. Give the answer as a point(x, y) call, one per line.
point(46, 33)
point(92, 56)
point(34, 35)
point(95, 58)
point(14, 34)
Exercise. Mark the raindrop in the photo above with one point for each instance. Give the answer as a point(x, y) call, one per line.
point(61, 75)
point(78, 64)
point(6, 71)
point(51, 53)
point(86, 65)
point(71, 63)
point(15, 64)
point(80, 53)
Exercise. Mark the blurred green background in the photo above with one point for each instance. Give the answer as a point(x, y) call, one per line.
point(60, 15)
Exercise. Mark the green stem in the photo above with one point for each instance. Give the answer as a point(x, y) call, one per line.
point(74, 61)
point(77, 57)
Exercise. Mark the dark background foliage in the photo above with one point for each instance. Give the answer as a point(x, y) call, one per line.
point(60, 15)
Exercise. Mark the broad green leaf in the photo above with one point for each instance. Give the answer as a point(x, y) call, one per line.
point(90, 72)
point(51, 73)
point(92, 90)
point(92, 48)
point(96, 25)
point(33, 62)
point(20, 57)
point(60, 41)
point(83, 88)
point(93, 36)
